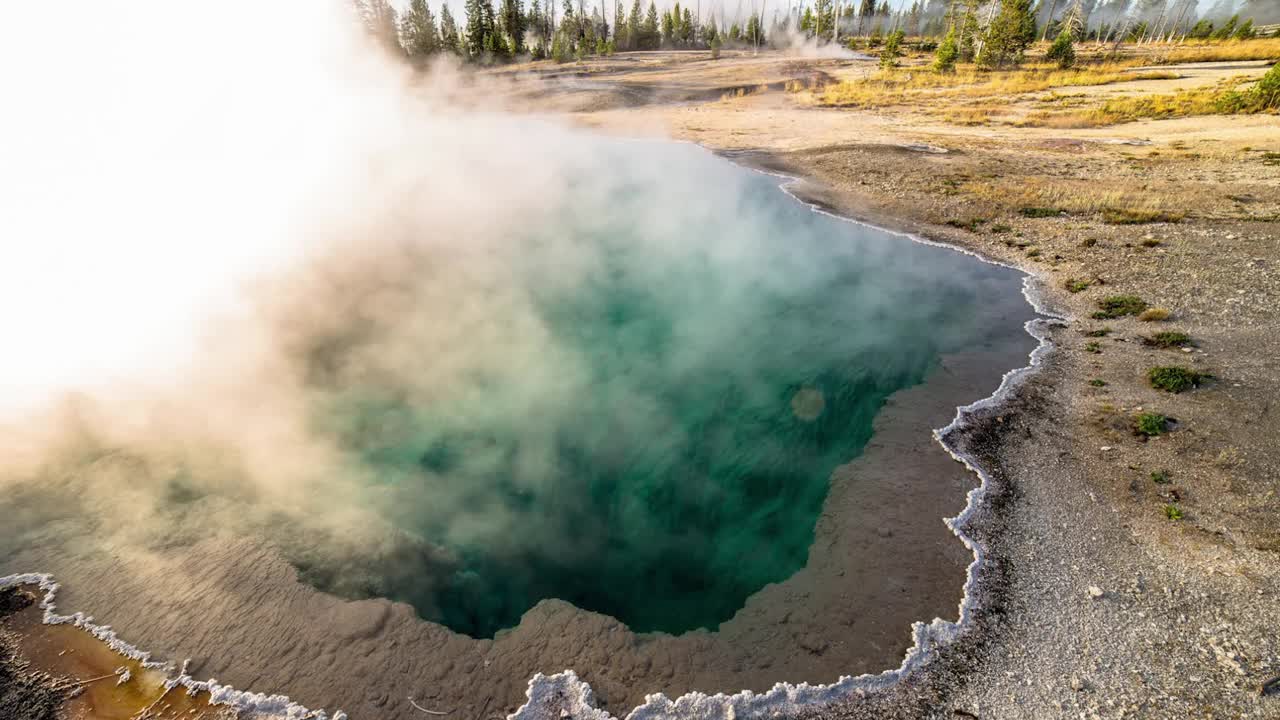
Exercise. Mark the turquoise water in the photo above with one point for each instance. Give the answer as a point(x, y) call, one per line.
point(642, 411)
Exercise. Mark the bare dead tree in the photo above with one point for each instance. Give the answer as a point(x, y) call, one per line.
point(1049, 20)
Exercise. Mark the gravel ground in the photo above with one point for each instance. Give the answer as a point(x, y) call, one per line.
point(1096, 603)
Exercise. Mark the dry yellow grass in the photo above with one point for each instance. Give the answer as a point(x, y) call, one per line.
point(1050, 197)
point(898, 87)
point(974, 115)
point(1222, 99)
point(1220, 51)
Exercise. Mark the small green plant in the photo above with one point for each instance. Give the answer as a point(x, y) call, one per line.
point(1160, 477)
point(1033, 252)
point(1168, 339)
point(972, 224)
point(1100, 332)
point(1172, 512)
point(1118, 306)
point(1093, 347)
point(1155, 314)
point(1000, 229)
point(1150, 424)
point(948, 53)
point(1088, 242)
point(1098, 382)
point(1138, 216)
point(1063, 50)
point(1174, 379)
point(1074, 286)
point(892, 50)
point(1040, 212)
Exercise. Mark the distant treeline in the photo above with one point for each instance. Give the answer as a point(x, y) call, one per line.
point(576, 29)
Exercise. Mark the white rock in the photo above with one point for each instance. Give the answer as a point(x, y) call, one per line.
point(1095, 592)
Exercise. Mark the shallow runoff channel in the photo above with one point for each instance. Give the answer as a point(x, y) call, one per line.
point(698, 456)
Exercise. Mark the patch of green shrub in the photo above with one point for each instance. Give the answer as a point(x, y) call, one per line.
point(1100, 332)
point(1139, 216)
point(1168, 339)
point(1150, 424)
point(1063, 50)
point(1098, 382)
point(1160, 477)
point(1074, 286)
point(1172, 512)
point(1174, 379)
point(1040, 212)
point(972, 224)
point(1118, 306)
point(1093, 347)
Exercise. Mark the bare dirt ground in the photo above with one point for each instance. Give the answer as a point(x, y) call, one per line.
point(1099, 604)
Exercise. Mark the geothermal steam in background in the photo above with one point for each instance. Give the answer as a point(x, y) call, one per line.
point(259, 280)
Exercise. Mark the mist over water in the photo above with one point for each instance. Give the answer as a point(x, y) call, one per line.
point(650, 432)
point(450, 355)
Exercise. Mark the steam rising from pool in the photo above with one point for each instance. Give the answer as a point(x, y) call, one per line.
point(458, 357)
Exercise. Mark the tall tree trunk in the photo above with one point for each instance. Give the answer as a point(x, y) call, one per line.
point(1049, 20)
point(982, 36)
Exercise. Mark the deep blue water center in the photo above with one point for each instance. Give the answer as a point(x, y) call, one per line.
point(708, 351)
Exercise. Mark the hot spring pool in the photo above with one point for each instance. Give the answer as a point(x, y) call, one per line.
point(635, 401)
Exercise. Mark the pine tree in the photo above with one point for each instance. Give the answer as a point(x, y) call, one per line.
point(1228, 29)
point(418, 31)
point(755, 31)
point(569, 24)
point(536, 23)
point(866, 12)
point(380, 21)
point(619, 26)
point(1063, 50)
point(650, 28)
point(822, 19)
point(948, 52)
point(892, 50)
point(480, 37)
point(913, 19)
point(513, 25)
point(1012, 31)
point(969, 31)
point(633, 27)
point(449, 38)
point(602, 24)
